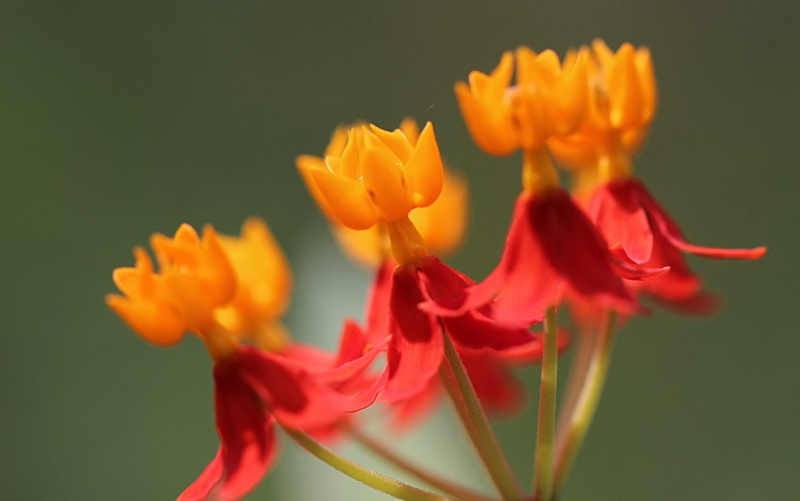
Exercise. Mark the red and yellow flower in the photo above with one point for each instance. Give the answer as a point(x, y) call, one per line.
point(386, 176)
point(224, 289)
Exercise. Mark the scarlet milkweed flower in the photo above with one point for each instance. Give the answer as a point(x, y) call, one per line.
point(379, 178)
point(253, 389)
point(622, 107)
point(552, 249)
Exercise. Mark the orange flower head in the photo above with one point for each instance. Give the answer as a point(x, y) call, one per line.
point(379, 176)
point(622, 105)
point(549, 98)
point(264, 285)
point(194, 278)
point(442, 224)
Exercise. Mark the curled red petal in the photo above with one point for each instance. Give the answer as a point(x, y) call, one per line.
point(630, 269)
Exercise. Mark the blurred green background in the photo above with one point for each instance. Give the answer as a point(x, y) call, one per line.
point(119, 119)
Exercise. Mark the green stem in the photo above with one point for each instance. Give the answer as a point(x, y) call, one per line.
point(586, 405)
point(545, 432)
point(471, 412)
point(435, 481)
point(580, 359)
point(355, 471)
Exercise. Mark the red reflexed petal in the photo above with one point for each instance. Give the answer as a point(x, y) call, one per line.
point(575, 249)
point(526, 283)
point(352, 343)
point(678, 284)
point(378, 305)
point(619, 215)
point(670, 229)
point(295, 397)
point(417, 345)
point(248, 438)
point(205, 483)
point(475, 328)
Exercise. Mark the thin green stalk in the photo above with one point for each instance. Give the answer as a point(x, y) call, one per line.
point(545, 432)
point(449, 488)
point(366, 476)
point(471, 412)
point(586, 405)
point(580, 358)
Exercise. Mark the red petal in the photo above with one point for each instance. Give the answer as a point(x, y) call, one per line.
point(618, 213)
point(295, 397)
point(205, 483)
point(572, 246)
point(679, 284)
point(378, 304)
point(248, 438)
point(628, 268)
point(475, 328)
point(417, 346)
point(670, 229)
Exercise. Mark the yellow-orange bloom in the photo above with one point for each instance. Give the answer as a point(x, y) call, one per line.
point(549, 98)
point(442, 224)
point(264, 286)
point(378, 176)
point(195, 277)
point(622, 105)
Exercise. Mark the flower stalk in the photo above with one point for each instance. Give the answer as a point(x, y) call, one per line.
point(471, 412)
point(435, 481)
point(545, 432)
point(586, 405)
point(364, 475)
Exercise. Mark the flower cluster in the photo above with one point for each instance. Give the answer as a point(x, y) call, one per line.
point(394, 206)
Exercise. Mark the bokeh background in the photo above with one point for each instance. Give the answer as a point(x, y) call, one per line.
point(119, 119)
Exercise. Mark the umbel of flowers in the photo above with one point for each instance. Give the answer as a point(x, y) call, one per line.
point(429, 329)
